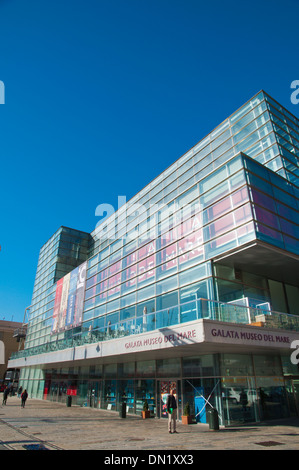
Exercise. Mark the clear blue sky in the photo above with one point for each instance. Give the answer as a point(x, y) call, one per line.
point(102, 95)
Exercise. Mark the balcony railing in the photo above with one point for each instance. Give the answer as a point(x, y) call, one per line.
point(190, 311)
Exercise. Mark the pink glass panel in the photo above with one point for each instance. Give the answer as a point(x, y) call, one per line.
point(146, 268)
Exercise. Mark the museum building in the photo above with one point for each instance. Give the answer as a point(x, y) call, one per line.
point(193, 284)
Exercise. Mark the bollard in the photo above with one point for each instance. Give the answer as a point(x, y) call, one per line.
point(213, 419)
point(69, 401)
point(123, 410)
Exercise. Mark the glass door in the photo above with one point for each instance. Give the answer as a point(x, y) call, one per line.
point(239, 400)
point(93, 394)
point(145, 390)
point(53, 391)
point(296, 394)
point(109, 397)
point(62, 389)
point(163, 391)
point(126, 395)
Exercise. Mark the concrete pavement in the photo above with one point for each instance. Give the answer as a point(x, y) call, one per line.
point(54, 426)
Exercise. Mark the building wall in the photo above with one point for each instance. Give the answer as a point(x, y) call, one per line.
point(7, 329)
point(150, 264)
point(144, 259)
point(242, 387)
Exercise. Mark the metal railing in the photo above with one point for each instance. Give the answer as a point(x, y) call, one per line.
point(183, 313)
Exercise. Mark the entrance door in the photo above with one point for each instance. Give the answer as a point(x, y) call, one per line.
point(164, 390)
point(93, 394)
point(296, 394)
point(54, 391)
point(62, 389)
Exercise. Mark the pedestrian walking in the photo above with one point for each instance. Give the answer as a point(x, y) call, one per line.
point(24, 397)
point(171, 406)
point(5, 395)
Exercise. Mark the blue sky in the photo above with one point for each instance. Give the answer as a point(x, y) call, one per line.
point(103, 95)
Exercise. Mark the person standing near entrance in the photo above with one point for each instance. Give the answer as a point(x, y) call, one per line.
point(171, 406)
point(24, 397)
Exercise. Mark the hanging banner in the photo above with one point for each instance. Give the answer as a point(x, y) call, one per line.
point(69, 300)
point(80, 292)
point(56, 309)
point(63, 302)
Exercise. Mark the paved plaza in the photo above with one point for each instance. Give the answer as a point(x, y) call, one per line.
point(54, 426)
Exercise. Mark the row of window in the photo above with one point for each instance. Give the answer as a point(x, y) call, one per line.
point(226, 365)
point(200, 158)
point(123, 227)
point(246, 109)
point(217, 244)
point(186, 161)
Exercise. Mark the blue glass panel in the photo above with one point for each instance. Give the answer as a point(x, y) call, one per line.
point(284, 197)
point(287, 212)
point(289, 228)
point(259, 183)
point(256, 169)
point(291, 244)
point(263, 200)
point(189, 312)
point(269, 235)
point(268, 218)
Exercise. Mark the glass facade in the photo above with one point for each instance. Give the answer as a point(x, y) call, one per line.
point(243, 387)
point(157, 262)
point(65, 250)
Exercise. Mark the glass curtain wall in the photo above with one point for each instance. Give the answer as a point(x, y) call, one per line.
point(153, 254)
point(66, 249)
point(242, 387)
point(235, 284)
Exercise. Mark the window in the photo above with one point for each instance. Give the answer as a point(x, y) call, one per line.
point(278, 300)
point(236, 365)
point(167, 300)
point(168, 368)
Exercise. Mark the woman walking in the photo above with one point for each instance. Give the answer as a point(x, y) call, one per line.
point(24, 397)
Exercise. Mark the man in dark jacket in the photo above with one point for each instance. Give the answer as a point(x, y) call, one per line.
point(171, 406)
point(5, 395)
